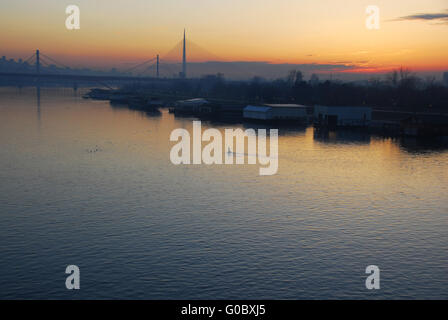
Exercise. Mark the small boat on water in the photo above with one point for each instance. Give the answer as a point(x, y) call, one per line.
point(140, 103)
point(118, 98)
point(99, 94)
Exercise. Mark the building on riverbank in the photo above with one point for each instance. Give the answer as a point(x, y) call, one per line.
point(332, 117)
point(276, 112)
point(205, 109)
point(445, 78)
point(229, 112)
point(257, 113)
point(197, 106)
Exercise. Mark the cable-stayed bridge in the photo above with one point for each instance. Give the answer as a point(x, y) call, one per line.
point(157, 68)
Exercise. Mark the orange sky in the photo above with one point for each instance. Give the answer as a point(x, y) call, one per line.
point(114, 33)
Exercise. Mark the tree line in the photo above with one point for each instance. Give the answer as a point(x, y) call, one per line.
point(398, 90)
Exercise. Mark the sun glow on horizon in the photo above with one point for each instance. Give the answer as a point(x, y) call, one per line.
point(320, 32)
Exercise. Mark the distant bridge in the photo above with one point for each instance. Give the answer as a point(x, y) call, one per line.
point(77, 77)
point(39, 59)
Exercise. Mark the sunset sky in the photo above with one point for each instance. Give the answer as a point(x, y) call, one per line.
point(413, 33)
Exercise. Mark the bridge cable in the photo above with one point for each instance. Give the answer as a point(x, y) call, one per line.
point(30, 58)
point(138, 65)
point(146, 70)
point(54, 61)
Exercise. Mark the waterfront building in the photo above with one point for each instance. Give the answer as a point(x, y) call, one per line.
point(276, 112)
point(195, 106)
point(257, 112)
point(332, 117)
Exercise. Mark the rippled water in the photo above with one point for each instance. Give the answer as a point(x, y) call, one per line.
point(88, 184)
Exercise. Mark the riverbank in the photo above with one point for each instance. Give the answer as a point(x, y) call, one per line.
point(382, 122)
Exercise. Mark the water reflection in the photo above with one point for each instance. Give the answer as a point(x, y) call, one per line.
point(97, 186)
point(423, 145)
point(342, 136)
point(38, 104)
point(151, 113)
point(363, 137)
point(283, 129)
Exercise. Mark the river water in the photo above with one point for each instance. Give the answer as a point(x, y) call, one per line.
point(85, 183)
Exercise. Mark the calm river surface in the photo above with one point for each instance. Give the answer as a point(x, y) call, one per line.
point(88, 184)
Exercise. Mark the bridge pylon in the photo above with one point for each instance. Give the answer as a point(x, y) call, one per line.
point(37, 61)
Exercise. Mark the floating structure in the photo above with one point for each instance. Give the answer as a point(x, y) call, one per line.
point(333, 117)
point(99, 94)
point(196, 106)
point(229, 112)
point(425, 125)
point(276, 113)
point(257, 113)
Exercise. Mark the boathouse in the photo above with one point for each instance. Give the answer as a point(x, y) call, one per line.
point(332, 117)
point(276, 112)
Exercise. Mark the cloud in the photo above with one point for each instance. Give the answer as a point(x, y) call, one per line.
point(441, 18)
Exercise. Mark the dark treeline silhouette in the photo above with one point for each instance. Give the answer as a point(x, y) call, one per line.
point(399, 90)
